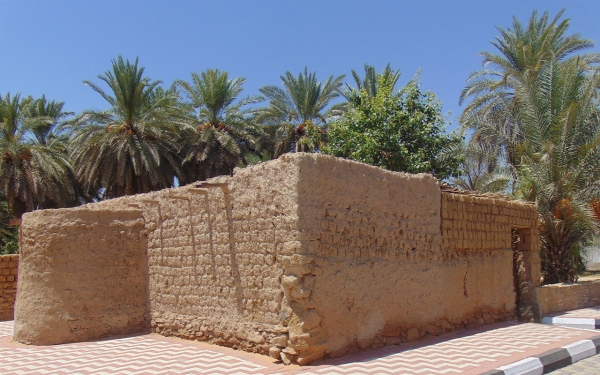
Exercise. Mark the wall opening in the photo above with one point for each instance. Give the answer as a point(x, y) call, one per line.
point(517, 268)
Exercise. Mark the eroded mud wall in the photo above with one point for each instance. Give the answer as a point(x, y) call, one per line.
point(217, 254)
point(83, 275)
point(379, 272)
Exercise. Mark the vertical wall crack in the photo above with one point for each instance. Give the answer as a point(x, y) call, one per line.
point(465, 281)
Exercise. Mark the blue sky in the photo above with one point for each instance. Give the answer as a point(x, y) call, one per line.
point(50, 46)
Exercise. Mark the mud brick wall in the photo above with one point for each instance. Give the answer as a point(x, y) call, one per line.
point(302, 257)
point(481, 222)
point(216, 257)
point(485, 223)
point(379, 270)
point(568, 296)
point(82, 275)
point(8, 285)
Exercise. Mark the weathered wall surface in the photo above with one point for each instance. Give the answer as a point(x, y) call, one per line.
point(568, 296)
point(484, 224)
point(216, 257)
point(82, 275)
point(8, 285)
point(383, 268)
point(300, 257)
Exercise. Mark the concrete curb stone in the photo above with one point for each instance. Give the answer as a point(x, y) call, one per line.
point(581, 323)
point(551, 360)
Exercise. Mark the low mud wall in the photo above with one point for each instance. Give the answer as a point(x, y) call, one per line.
point(568, 296)
point(8, 285)
point(83, 275)
point(299, 258)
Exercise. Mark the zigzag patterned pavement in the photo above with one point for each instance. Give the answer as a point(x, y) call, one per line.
point(463, 353)
point(591, 312)
point(473, 354)
point(6, 328)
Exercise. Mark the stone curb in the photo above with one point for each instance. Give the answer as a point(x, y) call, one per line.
point(551, 360)
point(582, 323)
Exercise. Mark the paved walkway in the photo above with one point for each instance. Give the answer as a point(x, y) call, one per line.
point(468, 352)
point(589, 366)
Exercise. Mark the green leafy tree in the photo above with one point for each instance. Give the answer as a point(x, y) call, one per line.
point(223, 135)
point(132, 147)
point(398, 131)
point(302, 99)
point(33, 174)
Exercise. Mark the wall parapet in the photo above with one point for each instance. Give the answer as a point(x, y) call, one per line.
point(8, 285)
point(556, 298)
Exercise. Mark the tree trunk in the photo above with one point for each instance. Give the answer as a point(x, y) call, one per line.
point(559, 266)
point(17, 208)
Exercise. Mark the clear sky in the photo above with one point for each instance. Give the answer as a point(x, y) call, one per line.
point(50, 46)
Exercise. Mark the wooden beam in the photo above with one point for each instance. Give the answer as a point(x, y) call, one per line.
point(197, 191)
point(211, 185)
point(14, 222)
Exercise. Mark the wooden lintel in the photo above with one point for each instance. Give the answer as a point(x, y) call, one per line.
point(211, 185)
point(135, 205)
point(14, 222)
point(197, 191)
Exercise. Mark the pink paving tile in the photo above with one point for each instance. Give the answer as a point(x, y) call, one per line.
point(471, 352)
point(6, 328)
point(146, 354)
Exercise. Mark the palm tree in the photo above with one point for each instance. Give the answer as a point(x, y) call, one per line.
point(540, 110)
point(389, 77)
point(132, 147)
point(483, 167)
point(523, 52)
point(560, 165)
point(300, 103)
point(32, 174)
point(223, 135)
point(9, 234)
point(45, 117)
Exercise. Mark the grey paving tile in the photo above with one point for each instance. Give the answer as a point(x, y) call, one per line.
point(589, 366)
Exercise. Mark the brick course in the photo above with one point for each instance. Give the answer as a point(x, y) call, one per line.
point(9, 265)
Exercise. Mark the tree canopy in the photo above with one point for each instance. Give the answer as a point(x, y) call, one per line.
point(399, 131)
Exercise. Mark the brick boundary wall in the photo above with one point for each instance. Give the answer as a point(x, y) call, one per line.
point(8, 285)
point(568, 296)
